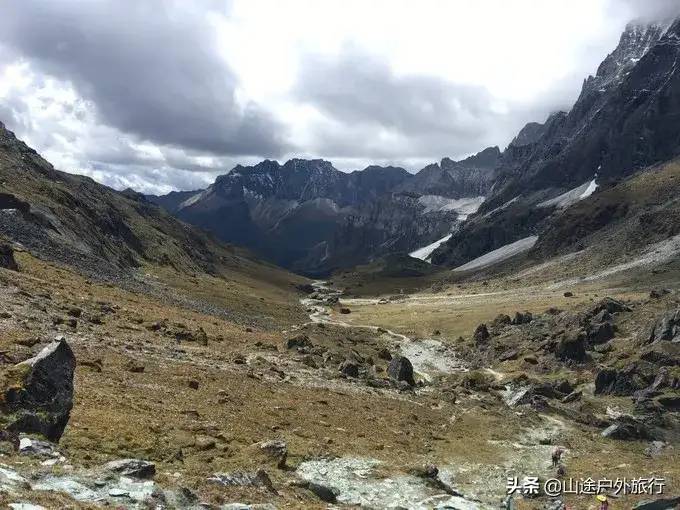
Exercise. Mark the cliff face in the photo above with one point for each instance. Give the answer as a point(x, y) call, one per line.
point(625, 119)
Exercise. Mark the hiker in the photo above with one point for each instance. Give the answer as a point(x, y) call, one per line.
point(557, 455)
point(604, 502)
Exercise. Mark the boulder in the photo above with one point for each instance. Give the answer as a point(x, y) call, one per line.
point(666, 328)
point(349, 368)
point(501, 321)
point(663, 354)
point(659, 504)
point(658, 293)
point(522, 318)
point(133, 468)
point(345, 311)
point(600, 333)
point(298, 342)
point(481, 334)
point(572, 347)
point(7, 257)
point(628, 428)
point(611, 305)
point(401, 369)
point(624, 382)
point(277, 450)
point(37, 394)
point(258, 478)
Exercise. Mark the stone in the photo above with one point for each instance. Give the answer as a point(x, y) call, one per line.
point(193, 384)
point(349, 368)
point(7, 260)
point(345, 311)
point(401, 369)
point(37, 394)
point(666, 328)
point(624, 382)
point(659, 504)
point(628, 428)
point(658, 293)
point(611, 305)
point(276, 449)
point(134, 366)
point(501, 320)
point(572, 397)
point(522, 318)
point(572, 347)
point(384, 354)
point(298, 342)
point(568, 294)
point(600, 333)
point(481, 334)
point(133, 468)
point(258, 478)
point(36, 447)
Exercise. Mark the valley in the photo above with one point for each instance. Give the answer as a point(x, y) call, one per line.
point(481, 334)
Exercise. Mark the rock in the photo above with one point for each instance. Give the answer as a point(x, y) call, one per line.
point(37, 394)
point(74, 312)
point(572, 347)
point(134, 366)
point(25, 506)
point(655, 448)
point(501, 321)
point(36, 447)
point(259, 478)
point(481, 334)
point(323, 492)
point(7, 260)
point(568, 294)
point(384, 354)
point(611, 305)
point(401, 369)
point(345, 310)
point(659, 504)
point(600, 333)
point(305, 288)
point(658, 293)
point(298, 342)
point(349, 368)
point(666, 328)
point(276, 449)
point(133, 468)
point(509, 355)
point(628, 428)
point(522, 318)
point(572, 397)
point(204, 443)
point(624, 382)
point(670, 402)
point(193, 384)
point(665, 354)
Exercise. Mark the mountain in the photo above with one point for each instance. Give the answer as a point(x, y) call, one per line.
point(625, 119)
point(102, 233)
point(457, 179)
point(308, 216)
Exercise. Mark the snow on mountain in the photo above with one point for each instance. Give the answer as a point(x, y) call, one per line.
point(463, 206)
point(425, 252)
point(571, 196)
point(500, 254)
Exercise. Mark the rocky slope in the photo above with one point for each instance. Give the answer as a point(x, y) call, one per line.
point(309, 216)
point(624, 119)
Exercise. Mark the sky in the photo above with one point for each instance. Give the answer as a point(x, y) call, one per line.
point(160, 95)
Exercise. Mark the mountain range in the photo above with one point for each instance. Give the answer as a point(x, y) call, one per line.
point(312, 218)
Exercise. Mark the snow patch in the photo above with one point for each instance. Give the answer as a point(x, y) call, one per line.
point(192, 200)
point(571, 196)
point(463, 206)
point(500, 254)
point(425, 252)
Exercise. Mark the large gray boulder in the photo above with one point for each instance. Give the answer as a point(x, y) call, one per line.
point(666, 328)
point(401, 369)
point(37, 394)
point(7, 257)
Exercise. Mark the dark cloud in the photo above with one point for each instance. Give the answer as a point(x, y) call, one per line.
point(151, 69)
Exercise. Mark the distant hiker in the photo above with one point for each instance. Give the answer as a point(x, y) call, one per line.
point(604, 502)
point(557, 455)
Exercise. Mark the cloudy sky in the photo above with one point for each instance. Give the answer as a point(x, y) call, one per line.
point(167, 94)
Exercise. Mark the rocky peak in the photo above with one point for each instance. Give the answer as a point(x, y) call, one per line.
point(635, 42)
